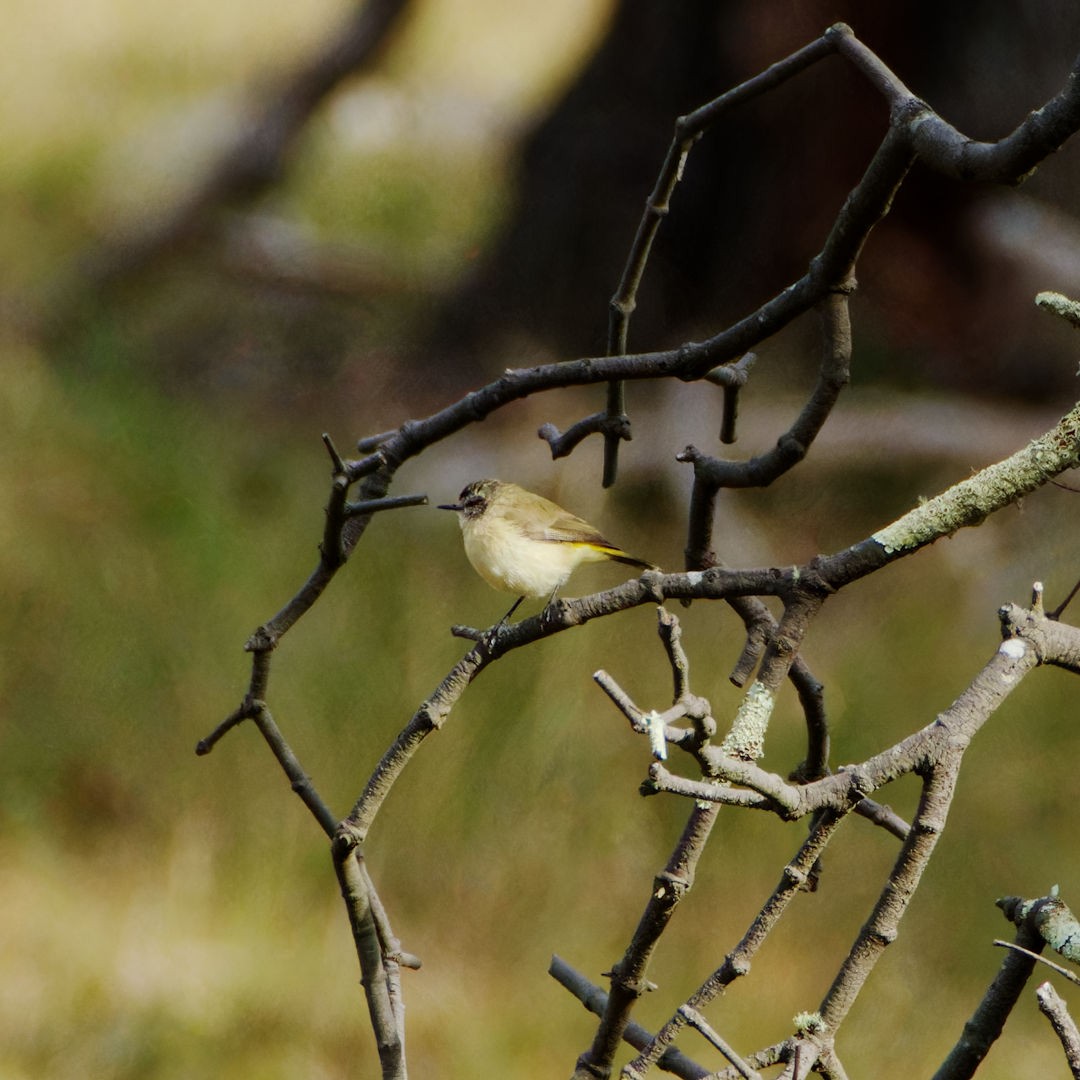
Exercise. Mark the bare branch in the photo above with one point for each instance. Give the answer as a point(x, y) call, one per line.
point(300, 781)
point(884, 816)
point(381, 974)
point(628, 975)
point(737, 962)
point(431, 716)
point(594, 999)
point(688, 129)
point(562, 443)
point(1053, 1007)
point(988, 1020)
point(881, 928)
point(1062, 971)
point(374, 506)
point(1055, 643)
point(732, 378)
point(699, 1023)
point(1051, 917)
point(793, 445)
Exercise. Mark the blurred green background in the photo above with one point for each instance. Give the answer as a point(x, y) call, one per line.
point(170, 916)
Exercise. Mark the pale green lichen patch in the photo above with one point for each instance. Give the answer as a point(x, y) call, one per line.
point(972, 500)
point(746, 739)
point(808, 1023)
point(1059, 305)
point(1057, 925)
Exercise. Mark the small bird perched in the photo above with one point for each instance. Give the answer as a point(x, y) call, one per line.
point(523, 543)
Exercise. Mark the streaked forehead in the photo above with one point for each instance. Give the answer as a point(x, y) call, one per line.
point(481, 488)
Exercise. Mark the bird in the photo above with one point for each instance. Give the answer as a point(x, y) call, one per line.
point(520, 542)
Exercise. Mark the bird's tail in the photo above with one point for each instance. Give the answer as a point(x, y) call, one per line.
point(622, 557)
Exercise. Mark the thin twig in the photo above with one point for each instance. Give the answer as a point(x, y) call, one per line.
point(375, 506)
point(1063, 971)
point(700, 1024)
point(290, 764)
point(562, 443)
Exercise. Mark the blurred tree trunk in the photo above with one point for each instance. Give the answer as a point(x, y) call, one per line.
point(583, 174)
point(760, 190)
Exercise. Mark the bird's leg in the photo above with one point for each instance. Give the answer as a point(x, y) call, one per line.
point(506, 618)
point(489, 636)
point(547, 606)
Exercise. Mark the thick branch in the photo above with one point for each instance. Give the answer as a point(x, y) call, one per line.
point(379, 968)
point(882, 927)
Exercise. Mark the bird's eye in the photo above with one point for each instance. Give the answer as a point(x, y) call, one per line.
point(470, 501)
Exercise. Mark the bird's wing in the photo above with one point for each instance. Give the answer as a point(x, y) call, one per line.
point(562, 528)
point(569, 528)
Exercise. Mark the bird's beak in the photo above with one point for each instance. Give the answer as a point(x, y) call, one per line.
point(449, 506)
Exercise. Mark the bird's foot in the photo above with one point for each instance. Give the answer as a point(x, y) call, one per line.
point(490, 637)
point(486, 638)
point(553, 614)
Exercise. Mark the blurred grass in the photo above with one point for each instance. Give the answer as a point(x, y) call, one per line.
point(167, 916)
point(110, 109)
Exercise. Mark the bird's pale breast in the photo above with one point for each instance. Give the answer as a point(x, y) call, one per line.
point(514, 563)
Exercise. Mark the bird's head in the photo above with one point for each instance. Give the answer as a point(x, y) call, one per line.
point(475, 498)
